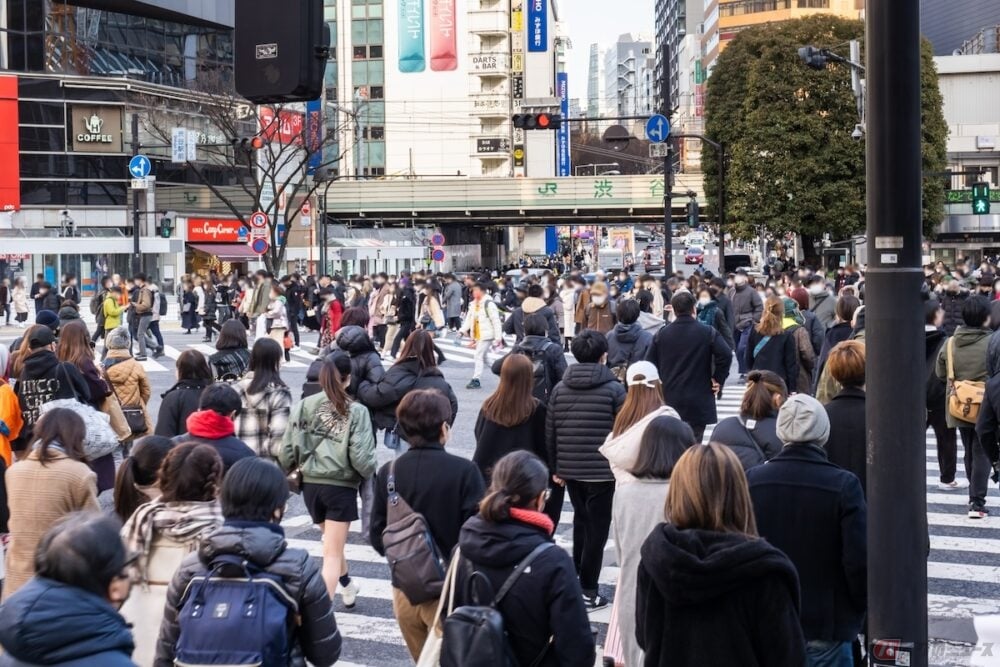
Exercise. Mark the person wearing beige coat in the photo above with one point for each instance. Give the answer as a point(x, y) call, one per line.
point(126, 376)
point(51, 482)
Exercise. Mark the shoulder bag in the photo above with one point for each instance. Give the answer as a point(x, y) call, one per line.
point(295, 474)
point(135, 417)
point(966, 396)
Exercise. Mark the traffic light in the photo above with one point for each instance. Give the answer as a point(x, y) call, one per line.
point(981, 198)
point(280, 54)
point(166, 228)
point(813, 57)
point(247, 144)
point(693, 213)
point(537, 121)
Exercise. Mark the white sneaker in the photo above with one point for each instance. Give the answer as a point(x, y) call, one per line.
point(349, 594)
point(954, 485)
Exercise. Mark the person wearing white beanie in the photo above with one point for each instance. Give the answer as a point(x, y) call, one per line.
point(814, 511)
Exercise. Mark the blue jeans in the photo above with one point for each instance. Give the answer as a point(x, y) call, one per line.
point(741, 349)
point(821, 653)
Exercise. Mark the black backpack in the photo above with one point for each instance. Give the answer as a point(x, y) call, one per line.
point(474, 635)
point(543, 379)
point(163, 303)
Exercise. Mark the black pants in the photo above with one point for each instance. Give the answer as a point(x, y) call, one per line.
point(947, 444)
point(554, 505)
point(978, 466)
point(405, 329)
point(699, 432)
point(293, 329)
point(211, 325)
point(454, 323)
point(99, 334)
point(591, 523)
point(380, 330)
point(224, 314)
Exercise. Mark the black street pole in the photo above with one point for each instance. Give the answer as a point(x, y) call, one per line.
point(668, 169)
point(721, 206)
point(894, 338)
point(136, 255)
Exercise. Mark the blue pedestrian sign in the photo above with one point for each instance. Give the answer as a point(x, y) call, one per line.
point(657, 128)
point(139, 166)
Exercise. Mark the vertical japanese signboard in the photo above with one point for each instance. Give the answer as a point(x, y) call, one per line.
point(562, 134)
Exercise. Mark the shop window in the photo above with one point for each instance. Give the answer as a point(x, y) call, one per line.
point(376, 92)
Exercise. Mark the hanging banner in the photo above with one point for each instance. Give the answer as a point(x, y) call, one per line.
point(444, 43)
point(411, 36)
point(314, 135)
point(538, 30)
point(562, 134)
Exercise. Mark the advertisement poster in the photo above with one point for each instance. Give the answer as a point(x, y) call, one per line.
point(444, 43)
point(562, 134)
point(411, 36)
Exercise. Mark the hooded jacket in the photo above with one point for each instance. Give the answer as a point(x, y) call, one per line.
point(211, 428)
point(555, 359)
point(708, 598)
point(177, 405)
point(532, 304)
point(815, 513)
point(824, 306)
point(44, 378)
point(622, 450)
point(627, 344)
point(317, 639)
point(405, 375)
point(51, 623)
point(970, 349)
point(581, 413)
point(545, 602)
point(366, 364)
point(747, 306)
point(952, 303)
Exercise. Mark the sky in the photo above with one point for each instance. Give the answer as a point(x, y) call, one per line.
point(602, 21)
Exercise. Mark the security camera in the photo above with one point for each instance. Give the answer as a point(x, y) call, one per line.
point(64, 213)
point(859, 132)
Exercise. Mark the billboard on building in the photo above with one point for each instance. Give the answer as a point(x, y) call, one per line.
point(444, 43)
point(314, 135)
point(562, 134)
point(10, 176)
point(411, 36)
point(538, 30)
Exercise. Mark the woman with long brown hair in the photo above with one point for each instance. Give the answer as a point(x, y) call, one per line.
point(511, 418)
point(329, 440)
point(706, 579)
point(415, 368)
point(643, 403)
point(771, 348)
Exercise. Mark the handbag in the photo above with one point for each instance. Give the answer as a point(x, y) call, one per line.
point(134, 417)
point(113, 409)
point(430, 655)
point(966, 397)
point(392, 438)
point(294, 476)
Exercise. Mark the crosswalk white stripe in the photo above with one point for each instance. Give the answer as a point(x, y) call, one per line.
point(975, 544)
point(956, 606)
point(959, 521)
point(981, 574)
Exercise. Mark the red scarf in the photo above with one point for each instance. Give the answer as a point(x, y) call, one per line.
point(209, 424)
point(533, 518)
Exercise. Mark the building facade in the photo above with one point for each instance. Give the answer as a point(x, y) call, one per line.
point(624, 64)
point(948, 25)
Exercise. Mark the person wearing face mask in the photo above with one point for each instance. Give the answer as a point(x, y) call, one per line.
point(747, 309)
point(821, 302)
point(598, 314)
point(952, 298)
point(67, 614)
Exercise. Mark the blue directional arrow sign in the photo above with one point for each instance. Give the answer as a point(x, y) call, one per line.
point(139, 166)
point(657, 128)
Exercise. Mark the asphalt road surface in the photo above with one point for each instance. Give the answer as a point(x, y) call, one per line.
point(963, 564)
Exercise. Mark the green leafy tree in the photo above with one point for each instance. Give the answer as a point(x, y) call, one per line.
point(793, 165)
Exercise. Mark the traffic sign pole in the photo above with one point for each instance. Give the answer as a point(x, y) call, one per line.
point(136, 253)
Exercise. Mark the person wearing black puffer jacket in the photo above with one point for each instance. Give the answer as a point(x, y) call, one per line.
point(627, 342)
point(366, 364)
point(253, 496)
point(415, 369)
point(545, 601)
point(952, 299)
point(181, 400)
point(581, 413)
point(537, 347)
point(752, 435)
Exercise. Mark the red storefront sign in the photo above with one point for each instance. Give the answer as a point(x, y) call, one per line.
point(10, 175)
point(286, 128)
point(214, 230)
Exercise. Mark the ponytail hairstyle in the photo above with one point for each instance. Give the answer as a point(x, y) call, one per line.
point(771, 319)
point(758, 399)
point(518, 479)
point(332, 374)
point(141, 468)
point(191, 472)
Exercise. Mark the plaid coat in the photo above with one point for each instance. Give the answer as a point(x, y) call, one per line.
point(264, 417)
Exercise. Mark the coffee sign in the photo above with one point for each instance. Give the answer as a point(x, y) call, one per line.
point(96, 129)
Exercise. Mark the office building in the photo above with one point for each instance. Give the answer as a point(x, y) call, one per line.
point(950, 24)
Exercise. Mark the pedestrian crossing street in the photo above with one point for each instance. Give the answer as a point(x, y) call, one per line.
point(964, 556)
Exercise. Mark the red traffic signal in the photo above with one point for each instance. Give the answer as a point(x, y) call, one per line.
point(248, 144)
point(537, 121)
